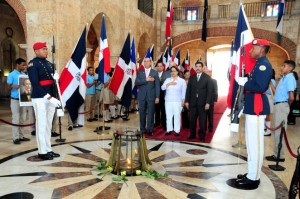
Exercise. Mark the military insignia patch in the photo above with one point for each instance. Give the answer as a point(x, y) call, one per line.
point(262, 68)
point(30, 64)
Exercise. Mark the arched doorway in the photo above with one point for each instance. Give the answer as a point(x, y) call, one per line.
point(94, 36)
point(11, 35)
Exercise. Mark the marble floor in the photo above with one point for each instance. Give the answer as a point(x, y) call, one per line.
point(196, 170)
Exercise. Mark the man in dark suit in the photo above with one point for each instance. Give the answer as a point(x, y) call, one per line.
point(197, 100)
point(160, 112)
point(147, 81)
point(214, 99)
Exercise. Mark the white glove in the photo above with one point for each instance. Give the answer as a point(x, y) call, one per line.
point(55, 102)
point(242, 81)
point(56, 76)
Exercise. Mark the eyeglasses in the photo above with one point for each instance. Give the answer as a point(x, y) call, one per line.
point(173, 70)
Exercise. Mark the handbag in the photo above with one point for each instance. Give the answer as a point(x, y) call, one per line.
point(295, 108)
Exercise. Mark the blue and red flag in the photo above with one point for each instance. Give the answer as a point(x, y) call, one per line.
point(241, 56)
point(279, 25)
point(121, 82)
point(72, 82)
point(104, 54)
point(177, 57)
point(169, 19)
point(149, 54)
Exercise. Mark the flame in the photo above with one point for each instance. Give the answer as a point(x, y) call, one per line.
point(128, 161)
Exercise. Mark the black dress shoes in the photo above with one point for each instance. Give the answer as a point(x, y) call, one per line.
point(150, 133)
point(274, 159)
point(247, 184)
point(115, 117)
point(17, 141)
point(32, 132)
point(168, 133)
point(54, 155)
point(77, 126)
point(241, 176)
point(100, 116)
point(45, 156)
point(94, 119)
point(176, 134)
point(191, 137)
point(24, 139)
point(70, 128)
point(54, 134)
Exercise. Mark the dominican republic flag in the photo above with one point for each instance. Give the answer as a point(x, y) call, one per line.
point(230, 61)
point(160, 59)
point(72, 82)
point(121, 82)
point(181, 67)
point(280, 19)
point(204, 29)
point(170, 55)
point(149, 54)
point(241, 56)
point(165, 58)
point(133, 67)
point(177, 57)
point(133, 62)
point(169, 19)
point(104, 54)
point(187, 61)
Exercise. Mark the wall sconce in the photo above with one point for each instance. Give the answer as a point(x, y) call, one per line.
point(6, 72)
point(23, 46)
point(88, 50)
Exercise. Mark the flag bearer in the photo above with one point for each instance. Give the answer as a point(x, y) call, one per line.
point(40, 72)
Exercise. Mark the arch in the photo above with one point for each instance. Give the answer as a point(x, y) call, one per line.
point(20, 11)
point(286, 44)
point(94, 35)
point(144, 44)
point(14, 53)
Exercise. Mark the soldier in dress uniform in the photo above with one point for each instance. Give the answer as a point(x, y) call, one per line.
point(41, 75)
point(256, 108)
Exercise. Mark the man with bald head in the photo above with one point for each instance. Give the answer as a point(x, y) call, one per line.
point(148, 84)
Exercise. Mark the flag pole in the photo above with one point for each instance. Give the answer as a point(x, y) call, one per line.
point(240, 93)
point(60, 110)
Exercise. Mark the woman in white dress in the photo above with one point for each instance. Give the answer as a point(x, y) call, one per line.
point(175, 88)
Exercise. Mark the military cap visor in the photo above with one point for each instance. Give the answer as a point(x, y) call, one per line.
point(261, 42)
point(39, 45)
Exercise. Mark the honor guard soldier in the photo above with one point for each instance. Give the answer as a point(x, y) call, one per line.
point(256, 108)
point(43, 89)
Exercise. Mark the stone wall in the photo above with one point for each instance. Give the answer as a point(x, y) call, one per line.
point(66, 20)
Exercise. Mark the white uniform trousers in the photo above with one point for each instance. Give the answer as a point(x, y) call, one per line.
point(18, 117)
point(44, 112)
point(254, 128)
point(280, 114)
point(173, 109)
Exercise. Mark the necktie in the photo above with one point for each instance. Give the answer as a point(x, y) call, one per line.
point(198, 77)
